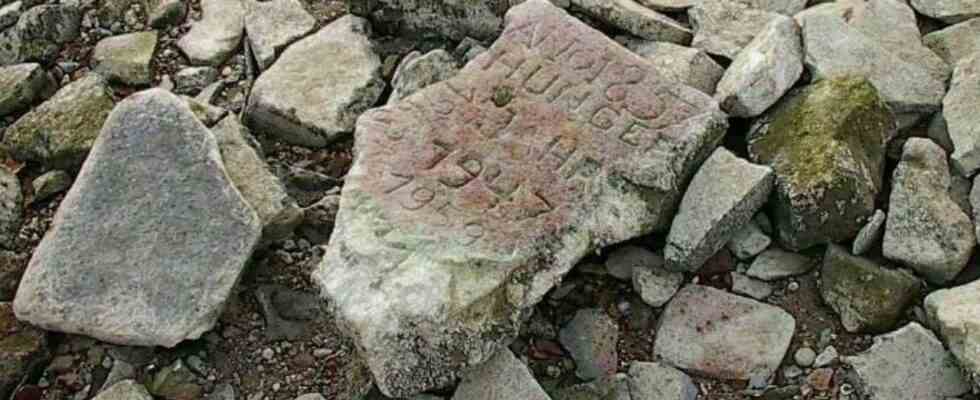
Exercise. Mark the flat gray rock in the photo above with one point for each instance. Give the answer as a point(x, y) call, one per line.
point(126, 58)
point(125, 390)
point(754, 288)
point(22, 85)
point(693, 67)
point(655, 284)
point(956, 42)
point(624, 260)
point(636, 19)
point(272, 25)
point(953, 313)
point(723, 196)
point(775, 264)
point(926, 230)
point(867, 296)
point(749, 241)
point(11, 208)
point(785, 7)
point(723, 28)
point(501, 377)
point(961, 111)
point(591, 338)
point(656, 381)
point(172, 226)
point(949, 11)
point(907, 364)
point(870, 234)
point(417, 73)
point(219, 32)
point(720, 335)
point(763, 71)
point(512, 172)
point(307, 102)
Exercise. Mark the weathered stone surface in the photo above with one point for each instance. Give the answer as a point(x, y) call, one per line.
point(11, 269)
point(723, 196)
point(616, 387)
point(656, 381)
point(949, 11)
point(208, 114)
point(591, 338)
point(307, 102)
point(636, 19)
point(749, 241)
point(954, 313)
point(22, 350)
point(775, 264)
point(870, 234)
point(251, 175)
point(22, 85)
point(826, 144)
point(480, 19)
point(183, 239)
point(668, 5)
point(219, 32)
point(11, 207)
point(272, 25)
point(194, 79)
point(623, 261)
point(763, 71)
point(693, 67)
point(744, 285)
point(713, 333)
point(868, 297)
point(907, 364)
point(655, 284)
point(466, 203)
point(10, 13)
point(39, 33)
point(723, 28)
point(126, 58)
point(955, 42)
point(502, 377)
point(60, 132)
point(125, 390)
point(49, 184)
point(961, 111)
point(785, 7)
point(415, 74)
point(163, 13)
point(926, 230)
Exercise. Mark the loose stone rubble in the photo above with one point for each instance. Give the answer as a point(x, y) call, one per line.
point(591, 338)
point(953, 313)
point(126, 58)
point(692, 67)
point(212, 39)
point(960, 107)
point(723, 28)
point(22, 85)
point(271, 26)
point(503, 376)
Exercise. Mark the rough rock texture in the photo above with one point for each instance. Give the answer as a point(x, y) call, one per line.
point(636, 19)
point(961, 111)
point(763, 71)
point(721, 335)
point(60, 132)
point(163, 13)
point(826, 144)
point(171, 226)
point(219, 32)
point(749, 241)
point(49, 184)
point(414, 75)
point(926, 230)
point(744, 285)
point(307, 102)
point(868, 297)
point(126, 58)
point(11, 207)
point(723, 28)
point(693, 67)
point(125, 390)
point(22, 85)
point(723, 196)
point(591, 338)
point(907, 364)
point(468, 202)
point(501, 377)
point(669, 5)
point(954, 313)
point(11, 269)
point(616, 387)
point(10, 13)
point(40, 33)
point(655, 381)
point(870, 234)
point(272, 25)
point(775, 264)
point(656, 285)
point(251, 175)
point(479, 19)
point(22, 350)
point(949, 11)
point(955, 42)
point(623, 261)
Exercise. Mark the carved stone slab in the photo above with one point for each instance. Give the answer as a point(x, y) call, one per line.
point(470, 199)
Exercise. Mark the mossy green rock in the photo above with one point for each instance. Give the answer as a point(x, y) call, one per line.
point(22, 348)
point(826, 143)
point(60, 132)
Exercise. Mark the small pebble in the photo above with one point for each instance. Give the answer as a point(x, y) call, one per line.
point(805, 357)
point(792, 371)
point(827, 356)
point(268, 354)
point(793, 286)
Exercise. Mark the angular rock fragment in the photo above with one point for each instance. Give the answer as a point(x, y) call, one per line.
point(22, 85)
point(749, 241)
point(723, 196)
point(306, 102)
point(11, 207)
point(125, 390)
point(219, 32)
point(172, 239)
point(194, 79)
point(163, 13)
point(649, 380)
point(723, 28)
point(40, 33)
point(591, 338)
point(49, 184)
point(756, 289)
point(720, 335)
point(126, 58)
point(469, 200)
point(23, 349)
point(623, 261)
point(961, 111)
point(955, 42)
point(616, 387)
point(480, 19)
point(785, 7)
point(414, 75)
point(868, 297)
point(826, 144)
point(949, 11)
point(926, 230)
point(907, 364)
point(272, 25)
point(655, 284)
point(954, 313)
point(501, 377)
point(11, 269)
point(775, 264)
point(636, 19)
point(763, 71)
point(668, 5)
point(59, 132)
point(691, 66)
point(870, 234)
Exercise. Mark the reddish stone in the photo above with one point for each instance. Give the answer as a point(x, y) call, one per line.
point(821, 379)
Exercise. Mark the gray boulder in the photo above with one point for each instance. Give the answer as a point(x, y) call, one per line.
point(630, 16)
point(125, 390)
point(23, 349)
point(126, 58)
point(956, 42)
point(723, 28)
point(656, 285)
point(417, 73)
point(775, 264)
point(949, 11)
point(11, 208)
point(219, 32)
point(171, 225)
point(648, 380)
point(272, 25)
point(591, 338)
point(723, 196)
point(953, 313)
point(501, 377)
point(926, 230)
point(307, 102)
point(22, 85)
point(693, 67)
point(40, 33)
point(961, 112)
point(754, 288)
point(749, 241)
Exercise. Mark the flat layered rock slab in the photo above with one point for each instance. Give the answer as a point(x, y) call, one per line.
point(721, 335)
point(469, 199)
point(172, 237)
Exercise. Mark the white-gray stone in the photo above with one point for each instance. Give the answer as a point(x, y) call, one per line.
point(774, 264)
point(125, 390)
point(693, 67)
point(172, 240)
point(744, 285)
point(955, 313)
point(630, 16)
point(415, 74)
point(668, 5)
point(126, 58)
point(749, 241)
point(870, 234)
point(11, 207)
point(724, 27)
point(656, 381)
point(272, 25)
point(723, 196)
point(624, 260)
point(763, 71)
point(949, 11)
point(805, 357)
point(22, 85)
point(655, 284)
point(826, 357)
point(907, 364)
point(193, 79)
point(40, 33)
point(956, 42)
point(925, 229)
point(502, 377)
point(219, 32)
point(305, 101)
point(961, 111)
point(161, 14)
point(591, 338)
